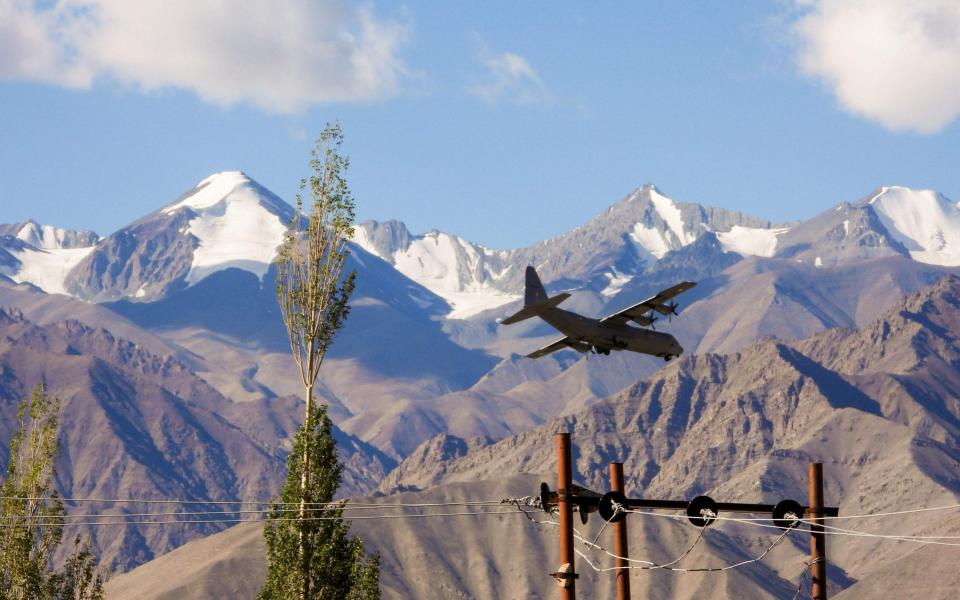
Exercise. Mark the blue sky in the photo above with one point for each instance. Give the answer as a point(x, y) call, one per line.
point(505, 123)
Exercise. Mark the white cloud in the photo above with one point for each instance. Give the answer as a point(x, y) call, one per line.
point(280, 55)
point(510, 78)
point(29, 51)
point(893, 61)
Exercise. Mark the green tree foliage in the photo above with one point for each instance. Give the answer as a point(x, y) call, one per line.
point(310, 557)
point(31, 514)
point(80, 579)
point(336, 566)
point(31, 511)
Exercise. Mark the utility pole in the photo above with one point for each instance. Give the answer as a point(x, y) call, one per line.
point(566, 575)
point(818, 540)
point(620, 537)
point(700, 511)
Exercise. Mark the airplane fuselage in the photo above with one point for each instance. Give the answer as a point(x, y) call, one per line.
point(604, 337)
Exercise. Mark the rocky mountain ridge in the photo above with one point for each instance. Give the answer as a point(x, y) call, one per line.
point(408, 367)
point(618, 244)
point(877, 405)
point(137, 424)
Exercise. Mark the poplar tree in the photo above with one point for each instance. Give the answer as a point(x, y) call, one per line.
point(31, 514)
point(310, 553)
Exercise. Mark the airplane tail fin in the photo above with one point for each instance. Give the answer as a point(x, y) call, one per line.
point(535, 299)
point(533, 292)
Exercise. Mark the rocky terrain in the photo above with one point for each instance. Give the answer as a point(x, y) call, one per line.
point(877, 405)
point(142, 425)
point(422, 355)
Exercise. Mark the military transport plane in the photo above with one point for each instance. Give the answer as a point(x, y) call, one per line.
point(601, 335)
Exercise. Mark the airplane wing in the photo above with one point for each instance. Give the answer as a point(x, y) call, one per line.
point(561, 344)
point(639, 311)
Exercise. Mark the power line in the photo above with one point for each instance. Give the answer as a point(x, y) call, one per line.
point(338, 503)
point(895, 513)
point(648, 565)
point(807, 565)
point(351, 504)
point(58, 521)
point(668, 566)
point(829, 530)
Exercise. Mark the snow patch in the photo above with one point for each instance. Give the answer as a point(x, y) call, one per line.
point(45, 237)
point(818, 262)
point(925, 222)
point(846, 227)
point(452, 268)
point(361, 239)
point(750, 241)
point(669, 212)
point(467, 304)
point(233, 224)
point(616, 283)
point(650, 240)
point(47, 269)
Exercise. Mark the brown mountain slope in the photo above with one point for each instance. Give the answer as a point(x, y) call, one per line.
point(139, 425)
point(484, 557)
point(759, 298)
point(132, 425)
point(878, 406)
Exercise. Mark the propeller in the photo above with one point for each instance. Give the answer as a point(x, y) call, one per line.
point(672, 308)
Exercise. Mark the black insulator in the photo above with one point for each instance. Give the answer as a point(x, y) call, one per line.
point(784, 508)
point(702, 511)
point(545, 496)
point(606, 509)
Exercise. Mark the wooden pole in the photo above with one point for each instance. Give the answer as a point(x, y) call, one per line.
point(620, 537)
point(818, 540)
point(564, 488)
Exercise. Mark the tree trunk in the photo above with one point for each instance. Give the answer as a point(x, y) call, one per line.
point(304, 486)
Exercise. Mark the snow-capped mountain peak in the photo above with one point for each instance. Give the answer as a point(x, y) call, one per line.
point(629, 237)
point(460, 272)
point(42, 255)
point(661, 226)
point(237, 223)
point(924, 221)
point(667, 225)
point(219, 187)
point(48, 237)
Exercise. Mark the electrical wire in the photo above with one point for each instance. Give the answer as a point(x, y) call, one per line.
point(922, 539)
point(803, 575)
point(247, 502)
point(221, 512)
point(648, 565)
point(665, 567)
point(58, 521)
point(148, 518)
point(895, 513)
point(424, 504)
point(830, 530)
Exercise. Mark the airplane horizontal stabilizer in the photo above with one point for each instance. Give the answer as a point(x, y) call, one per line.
point(534, 310)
